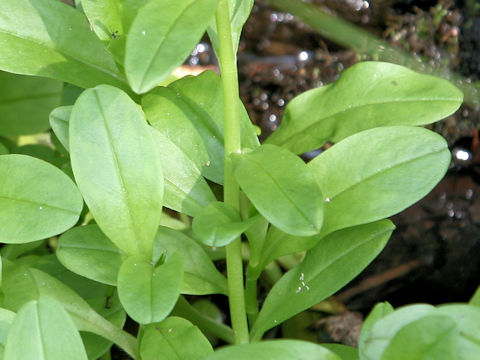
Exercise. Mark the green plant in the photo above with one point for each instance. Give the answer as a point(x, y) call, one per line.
point(128, 147)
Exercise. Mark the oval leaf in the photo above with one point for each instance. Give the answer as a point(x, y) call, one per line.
point(332, 263)
point(367, 95)
point(43, 330)
point(186, 190)
point(25, 102)
point(104, 17)
point(219, 224)
point(59, 119)
point(6, 320)
point(161, 37)
point(174, 339)
point(201, 277)
point(42, 38)
point(117, 167)
point(148, 294)
point(37, 200)
point(282, 188)
point(276, 349)
point(378, 173)
point(86, 251)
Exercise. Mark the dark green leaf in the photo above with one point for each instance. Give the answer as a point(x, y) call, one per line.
point(86, 251)
point(343, 351)
point(3, 149)
point(117, 167)
point(42, 152)
point(378, 173)
point(186, 190)
point(37, 330)
point(276, 349)
point(332, 263)
point(219, 224)
point(43, 38)
point(174, 339)
point(37, 200)
point(149, 293)
point(201, 277)
point(25, 102)
point(161, 37)
point(282, 188)
point(367, 95)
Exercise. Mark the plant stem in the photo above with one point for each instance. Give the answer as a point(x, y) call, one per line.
point(228, 69)
point(205, 323)
point(251, 297)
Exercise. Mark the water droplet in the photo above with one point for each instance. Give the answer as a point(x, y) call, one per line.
point(170, 330)
point(307, 287)
point(25, 274)
point(272, 118)
point(214, 248)
point(144, 33)
point(207, 163)
point(275, 321)
point(40, 208)
point(302, 276)
point(327, 199)
point(299, 290)
point(303, 56)
point(135, 264)
point(239, 151)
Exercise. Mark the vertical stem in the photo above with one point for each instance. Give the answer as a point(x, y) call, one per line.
point(228, 69)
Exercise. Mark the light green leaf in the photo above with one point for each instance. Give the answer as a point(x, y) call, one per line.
point(174, 339)
point(274, 349)
point(6, 320)
point(201, 277)
point(104, 17)
point(378, 312)
point(59, 119)
point(367, 95)
point(43, 330)
point(433, 337)
point(25, 102)
point(378, 173)
point(117, 167)
point(86, 251)
point(186, 190)
point(380, 334)
point(332, 263)
point(161, 37)
point(239, 12)
point(149, 293)
point(282, 188)
point(22, 284)
point(43, 38)
point(219, 224)
point(37, 200)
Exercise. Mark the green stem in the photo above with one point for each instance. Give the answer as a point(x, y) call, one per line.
point(205, 323)
point(251, 297)
point(228, 69)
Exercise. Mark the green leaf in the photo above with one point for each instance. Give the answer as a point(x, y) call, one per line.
point(25, 102)
point(186, 190)
point(22, 284)
point(174, 339)
point(378, 312)
point(430, 338)
point(42, 330)
point(345, 352)
point(37, 200)
point(42, 152)
point(378, 173)
point(282, 188)
point(59, 119)
point(3, 150)
point(43, 38)
point(149, 293)
point(239, 12)
point(161, 37)
point(201, 277)
point(219, 224)
point(104, 17)
point(6, 320)
point(274, 349)
point(467, 319)
point(383, 330)
point(86, 251)
point(332, 263)
point(117, 167)
point(475, 299)
point(367, 95)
